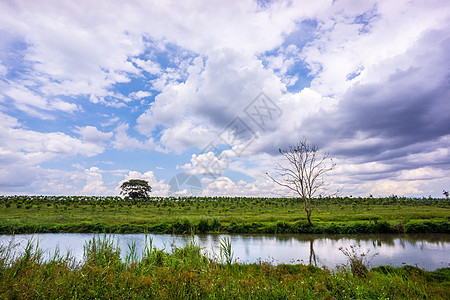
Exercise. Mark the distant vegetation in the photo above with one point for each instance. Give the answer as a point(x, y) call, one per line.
point(187, 274)
point(32, 214)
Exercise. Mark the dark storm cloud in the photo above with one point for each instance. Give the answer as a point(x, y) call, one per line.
point(398, 116)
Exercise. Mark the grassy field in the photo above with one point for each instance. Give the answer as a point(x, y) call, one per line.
point(187, 274)
point(234, 215)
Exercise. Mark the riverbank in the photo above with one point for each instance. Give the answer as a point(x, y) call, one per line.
point(185, 226)
point(36, 214)
point(186, 273)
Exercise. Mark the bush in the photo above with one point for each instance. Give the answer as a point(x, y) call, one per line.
point(182, 226)
point(283, 227)
point(427, 227)
point(203, 225)
point(215, 226)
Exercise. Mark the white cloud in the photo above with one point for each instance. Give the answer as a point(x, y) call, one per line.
point(377, 98)
point(25, 97)
point(23, 150)
point(224, 186)
point(35, 104)
point(148, 66)
point(3, 70)
point(58, 104)
point(198, 109)
point(123, 141)
point(386, 187)
point(421, 174)
point(94, 183)
point(140, 95)
point(355, 37)
point(207, 164)
point(92, 135)
point(38, 144)
point(110, 122)
point(63, 48)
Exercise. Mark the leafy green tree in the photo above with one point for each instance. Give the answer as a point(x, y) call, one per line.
point(136, 188)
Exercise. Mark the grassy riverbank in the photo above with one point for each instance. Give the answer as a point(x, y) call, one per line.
point(227, 215)
point(187, 274)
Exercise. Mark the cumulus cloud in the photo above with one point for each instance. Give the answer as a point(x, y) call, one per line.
point(92, 135)
point(43, 145)
point(148, 66)
point(207, 164)
point(35, 104)
point(123, 141)
point(367, 81)
point(140, 95)
point(391, 114)
point(94, 183)
point(23, 150)
point(224, 186)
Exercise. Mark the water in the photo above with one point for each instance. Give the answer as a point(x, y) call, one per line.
point(428, 251)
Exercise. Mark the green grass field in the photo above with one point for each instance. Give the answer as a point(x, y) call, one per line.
point(214, 214)
point(186, 273)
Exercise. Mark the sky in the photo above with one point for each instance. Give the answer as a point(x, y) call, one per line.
point(196, 97)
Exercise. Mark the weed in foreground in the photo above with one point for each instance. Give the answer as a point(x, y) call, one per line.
point(359, 259)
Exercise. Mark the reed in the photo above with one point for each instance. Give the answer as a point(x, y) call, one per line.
point(184, 272)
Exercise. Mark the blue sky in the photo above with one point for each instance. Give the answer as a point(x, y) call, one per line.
point(92, 94)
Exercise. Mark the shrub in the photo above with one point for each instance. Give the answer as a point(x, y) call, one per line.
point(215, 224)
point(182, 226)
point(203, 226)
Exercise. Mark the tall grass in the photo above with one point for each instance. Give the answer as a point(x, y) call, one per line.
point(185, 273)
point(226, 253)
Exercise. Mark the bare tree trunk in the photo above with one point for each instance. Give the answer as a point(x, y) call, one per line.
point(308, 211)
point(308, 216)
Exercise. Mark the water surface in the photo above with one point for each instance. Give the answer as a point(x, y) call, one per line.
point(428, 251)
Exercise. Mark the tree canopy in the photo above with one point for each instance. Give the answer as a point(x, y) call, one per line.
point(136, 188)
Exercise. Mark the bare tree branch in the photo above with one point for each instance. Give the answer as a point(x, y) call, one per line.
point(304, 173)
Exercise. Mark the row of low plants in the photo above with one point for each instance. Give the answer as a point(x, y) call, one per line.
point(187, 274)
point(243, 201)
point(208, 225)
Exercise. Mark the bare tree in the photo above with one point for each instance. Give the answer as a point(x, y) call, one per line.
point(304, 172)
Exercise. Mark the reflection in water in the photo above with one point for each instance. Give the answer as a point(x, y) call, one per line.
point(312, 254)
point(402, 243)
point(428, 251)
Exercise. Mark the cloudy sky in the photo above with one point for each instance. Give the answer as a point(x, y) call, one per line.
point(96, 92)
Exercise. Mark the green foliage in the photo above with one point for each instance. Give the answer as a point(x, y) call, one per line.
point(249, 215)
point(203, 225)
point(136, 189)
point(182, 226)
point(102, 252)
point(226, 253)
